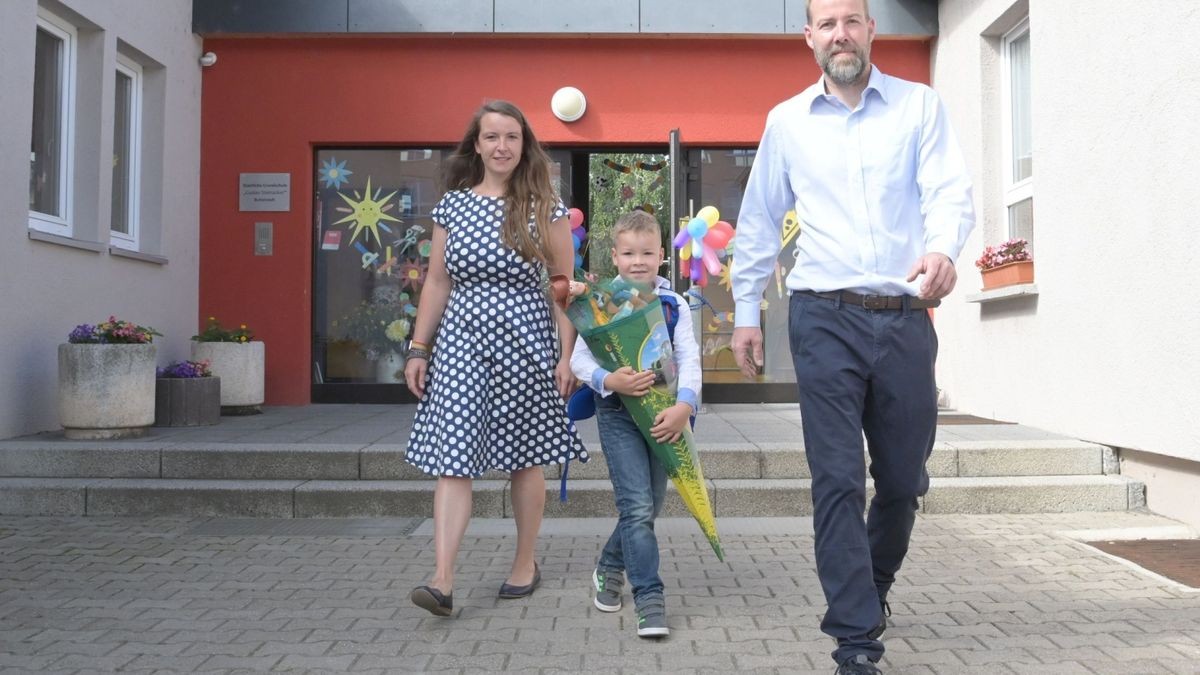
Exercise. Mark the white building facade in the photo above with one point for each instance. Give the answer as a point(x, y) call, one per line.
point(99, 184)
point(1085, 114)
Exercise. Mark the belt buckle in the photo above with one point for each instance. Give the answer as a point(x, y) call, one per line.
point(874, 302)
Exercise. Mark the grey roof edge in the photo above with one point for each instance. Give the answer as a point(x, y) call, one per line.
point(895, 19)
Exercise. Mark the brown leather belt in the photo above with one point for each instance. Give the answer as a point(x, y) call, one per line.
point(875, 302)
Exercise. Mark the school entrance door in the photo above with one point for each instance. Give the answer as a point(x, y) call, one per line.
point(371, 250)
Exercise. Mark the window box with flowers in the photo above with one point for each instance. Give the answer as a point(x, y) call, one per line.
point(1006, 264)
point(239, 360)
point(106, 380)
point(186, 394)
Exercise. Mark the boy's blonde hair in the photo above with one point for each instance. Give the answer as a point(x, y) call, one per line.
point(635, 221)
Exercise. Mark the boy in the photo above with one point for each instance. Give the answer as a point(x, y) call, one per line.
point(639, 480)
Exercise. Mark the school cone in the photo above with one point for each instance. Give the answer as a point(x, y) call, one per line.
point(641, 341)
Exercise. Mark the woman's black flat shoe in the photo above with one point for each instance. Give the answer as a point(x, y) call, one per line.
point(432, 600)
point(511, 592)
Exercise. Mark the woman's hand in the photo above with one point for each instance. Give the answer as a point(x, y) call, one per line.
point(414, 375)
point(564, 378)
point(669, 424)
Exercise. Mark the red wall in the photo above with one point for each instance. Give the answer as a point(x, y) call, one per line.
point(268, 102)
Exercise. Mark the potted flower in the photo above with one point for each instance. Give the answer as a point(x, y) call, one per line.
point(1006, 264)
point(106, 380)
point(239, 360)
point(379, 327)
point(186, 394)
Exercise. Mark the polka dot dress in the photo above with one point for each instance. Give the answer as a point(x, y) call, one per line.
point(490, 400)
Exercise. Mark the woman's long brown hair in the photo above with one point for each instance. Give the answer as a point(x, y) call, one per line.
point(529, 191)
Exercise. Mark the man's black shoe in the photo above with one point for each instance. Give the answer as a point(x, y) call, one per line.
point(857, 665)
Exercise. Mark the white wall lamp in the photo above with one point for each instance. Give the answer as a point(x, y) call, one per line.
point(208, 59)
point(568, 104)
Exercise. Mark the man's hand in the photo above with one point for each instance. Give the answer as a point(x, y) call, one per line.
point(940, 276)
point(669, 424)
point(747, 348)
point(629, 382)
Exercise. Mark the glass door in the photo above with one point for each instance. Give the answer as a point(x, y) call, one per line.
point(371, 250)
point(717, 177)
point(619, 182)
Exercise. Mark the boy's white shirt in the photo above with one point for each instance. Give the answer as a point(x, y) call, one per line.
point(686, 353)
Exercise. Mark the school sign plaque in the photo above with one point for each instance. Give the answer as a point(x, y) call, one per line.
point(265, 192)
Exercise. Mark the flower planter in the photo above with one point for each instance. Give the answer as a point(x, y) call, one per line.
point(187, 401)
point(1008, 275)
point(389, 369)
point(106, 390)
point(241, 367)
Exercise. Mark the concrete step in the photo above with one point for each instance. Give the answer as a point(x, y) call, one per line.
point(586, 497)
point(298, 461)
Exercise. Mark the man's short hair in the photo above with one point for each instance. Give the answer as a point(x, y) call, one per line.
point(636, 220)
point(808, 10)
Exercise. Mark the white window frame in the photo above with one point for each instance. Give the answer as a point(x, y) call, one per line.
point(133, 71)
point(63, 30)
point(1018, 191)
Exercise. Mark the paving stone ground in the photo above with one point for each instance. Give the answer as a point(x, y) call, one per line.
point(979, 594)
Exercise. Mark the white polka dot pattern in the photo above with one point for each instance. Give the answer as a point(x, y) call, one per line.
point(490, 400)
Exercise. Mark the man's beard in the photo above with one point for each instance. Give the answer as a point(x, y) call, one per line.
point(844, 71)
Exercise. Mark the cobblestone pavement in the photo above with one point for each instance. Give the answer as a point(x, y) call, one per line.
point(979, 594)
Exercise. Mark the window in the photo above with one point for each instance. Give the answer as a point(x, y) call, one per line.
point(1018, 133)
point(52, 139)
point(126, 169)
point(371, 255)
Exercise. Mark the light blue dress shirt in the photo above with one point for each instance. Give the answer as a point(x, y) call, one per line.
point(874, 189)
point(684, 347)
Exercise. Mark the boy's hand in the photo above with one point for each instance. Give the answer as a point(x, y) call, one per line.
point(669, 424)
point(629, 382)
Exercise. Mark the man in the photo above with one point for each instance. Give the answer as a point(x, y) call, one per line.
point(877, 179)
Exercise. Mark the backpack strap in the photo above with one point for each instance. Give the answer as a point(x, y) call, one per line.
point(671, 314)
point(670, 308)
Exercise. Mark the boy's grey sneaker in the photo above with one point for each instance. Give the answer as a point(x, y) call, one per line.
point(608, 587)
point(652, 620)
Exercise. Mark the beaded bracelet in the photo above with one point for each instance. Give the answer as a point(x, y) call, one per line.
point(418, 353)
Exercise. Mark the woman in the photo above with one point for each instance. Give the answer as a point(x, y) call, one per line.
point(495, 389)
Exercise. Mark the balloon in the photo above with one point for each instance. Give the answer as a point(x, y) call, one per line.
point(716, 238)
point(681, 238)
point(703, 242)
point(576, 241)
point(579, 232)
point(578, 260)
point(575, 217)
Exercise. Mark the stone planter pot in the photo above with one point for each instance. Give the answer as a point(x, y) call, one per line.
point(106, 390)
point(187, 401)
point(241, 367)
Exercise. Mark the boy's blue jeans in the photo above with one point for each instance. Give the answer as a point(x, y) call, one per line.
point(639, 484)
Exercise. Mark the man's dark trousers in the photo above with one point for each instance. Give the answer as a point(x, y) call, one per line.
point(862, 372)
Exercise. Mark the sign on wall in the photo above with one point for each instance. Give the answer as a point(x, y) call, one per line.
point(265, 192)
